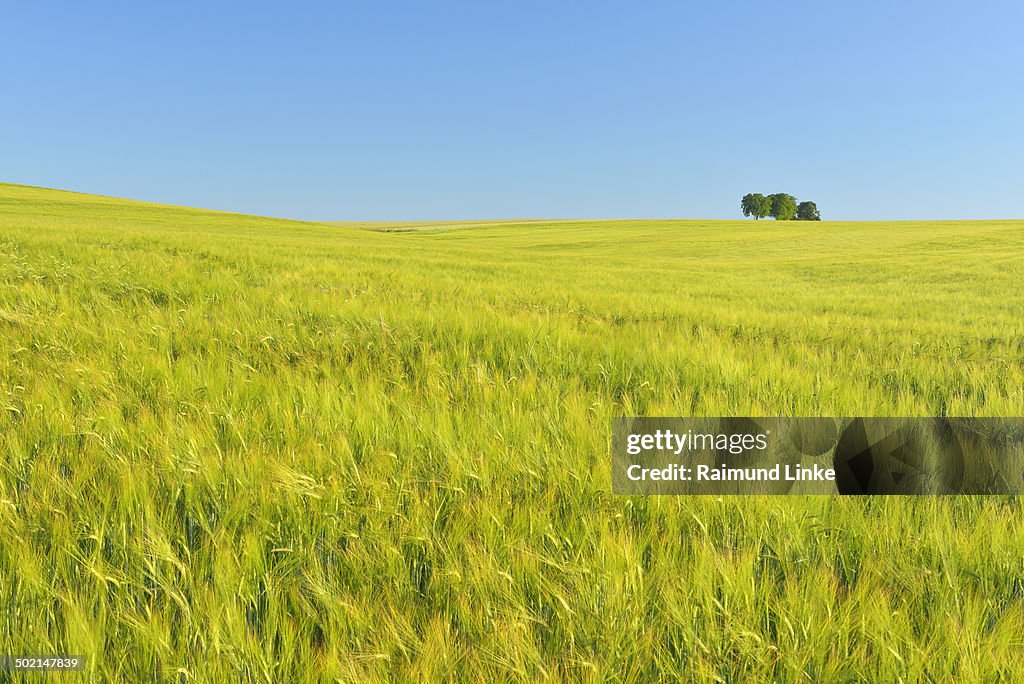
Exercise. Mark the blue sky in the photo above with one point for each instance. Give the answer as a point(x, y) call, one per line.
point(390, 111)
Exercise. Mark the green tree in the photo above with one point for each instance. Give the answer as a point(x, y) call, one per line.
point(807, 211)
point(783, 206)
point(757, 205)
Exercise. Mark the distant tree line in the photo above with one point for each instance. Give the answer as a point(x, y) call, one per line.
point(780, 206)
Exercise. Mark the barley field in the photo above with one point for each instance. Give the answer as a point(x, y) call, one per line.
point(238, 448)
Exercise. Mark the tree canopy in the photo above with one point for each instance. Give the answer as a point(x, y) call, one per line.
point(807, 211)
point(757, 205)
point(780, 206)
point(783, 206)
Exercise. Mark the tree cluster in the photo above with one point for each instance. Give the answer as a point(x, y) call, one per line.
point(780, 206)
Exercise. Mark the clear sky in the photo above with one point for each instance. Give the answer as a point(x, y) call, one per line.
point(434, 110)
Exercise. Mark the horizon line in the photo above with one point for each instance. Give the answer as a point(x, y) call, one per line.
point(504, 220)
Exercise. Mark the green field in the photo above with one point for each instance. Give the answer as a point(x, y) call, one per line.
point(237, 447)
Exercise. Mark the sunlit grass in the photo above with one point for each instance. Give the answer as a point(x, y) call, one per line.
point(305, 451)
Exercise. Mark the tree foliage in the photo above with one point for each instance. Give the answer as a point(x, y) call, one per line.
point(780, 206)
point(757, 205)
point(807, 211)
point(783, 206)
